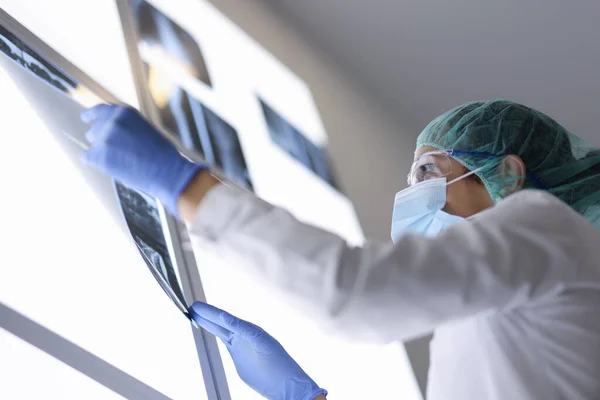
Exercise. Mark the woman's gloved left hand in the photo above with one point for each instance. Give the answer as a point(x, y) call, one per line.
point(261, 362)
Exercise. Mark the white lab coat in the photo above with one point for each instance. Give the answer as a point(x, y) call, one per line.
point(513, 295)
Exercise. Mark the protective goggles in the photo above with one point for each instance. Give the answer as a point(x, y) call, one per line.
point(438, 164)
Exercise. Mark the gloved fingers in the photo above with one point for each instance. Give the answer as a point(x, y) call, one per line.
point(245, 329)
point(102, 119)
point(100, 111)
point(208, 312)
point(89, 157)
point(220, 317)
point(97, 133)
point(93, 157)
point(213, 328)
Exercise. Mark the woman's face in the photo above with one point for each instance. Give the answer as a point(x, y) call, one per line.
point(465, 197)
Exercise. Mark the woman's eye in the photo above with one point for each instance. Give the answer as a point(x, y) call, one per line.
point(427, 167)
point(426, 172)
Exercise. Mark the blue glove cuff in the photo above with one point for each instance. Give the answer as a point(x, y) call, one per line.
point(186, 171)
point(315, 393)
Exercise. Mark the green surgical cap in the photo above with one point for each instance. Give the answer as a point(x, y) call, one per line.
point(567, 166)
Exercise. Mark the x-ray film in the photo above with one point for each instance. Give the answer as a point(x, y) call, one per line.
point(60, 114)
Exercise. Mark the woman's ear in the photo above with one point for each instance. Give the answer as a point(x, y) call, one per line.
point(513, 170)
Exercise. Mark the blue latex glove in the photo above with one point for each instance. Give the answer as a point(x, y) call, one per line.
point(126, 147)
point(261, 362)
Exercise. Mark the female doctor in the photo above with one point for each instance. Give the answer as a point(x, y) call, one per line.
point(496, 249)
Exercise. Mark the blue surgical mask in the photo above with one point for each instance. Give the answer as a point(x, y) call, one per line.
point(418, 209)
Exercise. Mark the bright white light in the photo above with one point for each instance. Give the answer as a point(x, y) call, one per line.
point(29, 373)
point(87, 33)
point(68, 267)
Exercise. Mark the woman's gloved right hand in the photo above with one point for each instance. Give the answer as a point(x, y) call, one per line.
point(129, 149)
point(260, 360)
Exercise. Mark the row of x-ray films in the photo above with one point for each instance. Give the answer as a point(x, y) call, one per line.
point(198, 128)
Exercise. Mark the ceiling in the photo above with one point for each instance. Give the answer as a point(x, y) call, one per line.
point(422, 57)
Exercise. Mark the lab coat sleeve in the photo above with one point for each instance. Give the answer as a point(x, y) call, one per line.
point(521, 250)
